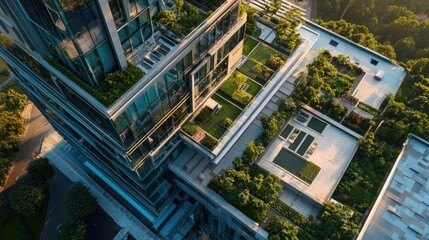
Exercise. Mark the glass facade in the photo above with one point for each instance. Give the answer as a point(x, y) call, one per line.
point(143, 125)
point(77, 36)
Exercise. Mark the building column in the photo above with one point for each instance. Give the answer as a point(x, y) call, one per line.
point(113, 34)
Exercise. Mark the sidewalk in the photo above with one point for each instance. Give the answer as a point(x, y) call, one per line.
point(62, 156)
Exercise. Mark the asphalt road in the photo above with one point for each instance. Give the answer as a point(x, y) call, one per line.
point(37, 128)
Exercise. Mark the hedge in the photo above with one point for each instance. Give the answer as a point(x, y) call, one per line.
point(204, 115)
point(209, 142)
point(190, 128)
point(242, 97)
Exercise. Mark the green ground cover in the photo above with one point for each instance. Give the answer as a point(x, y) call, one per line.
point(214, 125)
point(253, 88)
point(249, 45)
point(297, 141)
point(317, 124)
point(296, 165)
point(3, 66)
point(262, 53)
point(233, 89)
point(247, 66)
point(19, 227)
point(288, 129)
point(304, 146)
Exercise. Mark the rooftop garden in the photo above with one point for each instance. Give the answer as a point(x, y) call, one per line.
point(232, 97)
point(328, 84)
point(114, 86)
point(262, 60)
point(181, 20)
point(239, 89)
point(254, 191)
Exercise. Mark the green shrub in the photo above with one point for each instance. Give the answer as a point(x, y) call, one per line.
point(257, 68)
point(227, 122)
point(252, 152)
point(292, 215)
point(233, 83)
point(204, 116)
point(209, 142)
point(309, 171)
point(242, 97)
point(275, 61)
point(190, 128)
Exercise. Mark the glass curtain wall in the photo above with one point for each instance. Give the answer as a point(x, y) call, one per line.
point(76, 35)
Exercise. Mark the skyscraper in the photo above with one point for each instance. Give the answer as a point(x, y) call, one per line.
point(117, 81)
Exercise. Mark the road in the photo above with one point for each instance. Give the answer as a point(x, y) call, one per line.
point(36, 129)
point(55, 214)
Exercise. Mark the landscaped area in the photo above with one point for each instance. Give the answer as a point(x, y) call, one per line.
point(249, 44)
point(298, 166)
point(262, 62)
point(239, 89)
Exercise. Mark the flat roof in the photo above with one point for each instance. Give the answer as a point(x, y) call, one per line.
point(369, 90)
point(402, 208)
point(333, 153)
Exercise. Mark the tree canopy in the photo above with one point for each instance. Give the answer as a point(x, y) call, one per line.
point(26, 200)
point(79, 201)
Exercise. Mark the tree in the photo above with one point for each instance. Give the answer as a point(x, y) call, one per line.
point(14, 101)
point(279, 229)
point(72, 230)
point(79, 201)
point(3, 209)
point(252, 152)
point(251, 22)
point(4, 169)
point(40, 170)
point(26, 200)
point(272, 7)
point(337, 222)
point(295, 16)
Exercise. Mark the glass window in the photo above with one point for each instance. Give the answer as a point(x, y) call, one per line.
point(152, 94)
point(116, 9)
point(108, 60)
point(142, 104)
point(121, 122)
point(141, 5)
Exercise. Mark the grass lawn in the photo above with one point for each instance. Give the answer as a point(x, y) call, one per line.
point(262, 53)
point(253, 88)
point(249, 45)
point(246, 68)
point(317, 125)
point(17, 227)
point(214, 125)
point(12, 228)
point(296, 165)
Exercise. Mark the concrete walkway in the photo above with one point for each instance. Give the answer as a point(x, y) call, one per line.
point(64, 157)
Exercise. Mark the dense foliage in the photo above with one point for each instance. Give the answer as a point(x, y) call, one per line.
point(40, 171)
point(79, 201)
point(182, 20)
point(280, 229)
point(72, 230)
point(11, 127)
point(26, 200)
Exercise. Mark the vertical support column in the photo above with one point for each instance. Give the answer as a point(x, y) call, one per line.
point(113, 34)
point(125, 6)
point(192, 93)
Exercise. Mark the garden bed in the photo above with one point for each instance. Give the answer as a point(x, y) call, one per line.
point(296, 165)
point(239, 89)
point(249, 45)
point(214, 125)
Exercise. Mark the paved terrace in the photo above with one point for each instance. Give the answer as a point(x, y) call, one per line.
point(335, 149)
point(402, 208)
